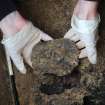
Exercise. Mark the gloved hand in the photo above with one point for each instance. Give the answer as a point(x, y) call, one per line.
point(85, 33)
point(20, 45)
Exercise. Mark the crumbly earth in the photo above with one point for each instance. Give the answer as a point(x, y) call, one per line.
point(53, 17)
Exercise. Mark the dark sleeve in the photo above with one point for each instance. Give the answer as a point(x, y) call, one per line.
point(6, 7)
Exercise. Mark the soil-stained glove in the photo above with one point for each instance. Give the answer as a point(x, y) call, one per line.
point(85, 33)
point(20, 45)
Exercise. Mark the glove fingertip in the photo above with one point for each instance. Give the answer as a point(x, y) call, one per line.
point(83, 54)
point(21, 68)
point(23, 72)
point(66, 36)
point(29, 62)
point(93, 60)
point(46, 37)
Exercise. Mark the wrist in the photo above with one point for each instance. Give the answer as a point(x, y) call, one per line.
point(12, 23)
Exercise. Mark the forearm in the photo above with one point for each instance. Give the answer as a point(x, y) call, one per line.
point(86, 9)
point(12, 23)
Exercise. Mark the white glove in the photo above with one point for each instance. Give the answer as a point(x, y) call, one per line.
point(20, 45)
point(84, 32)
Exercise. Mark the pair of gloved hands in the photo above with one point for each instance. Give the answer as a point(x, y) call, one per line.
point(20, 45)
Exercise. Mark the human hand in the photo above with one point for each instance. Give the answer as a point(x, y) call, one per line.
point(20, 45)
point(84, 33)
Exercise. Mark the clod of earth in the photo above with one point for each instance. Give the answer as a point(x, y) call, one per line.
point(60, 83)
point(59, 57)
